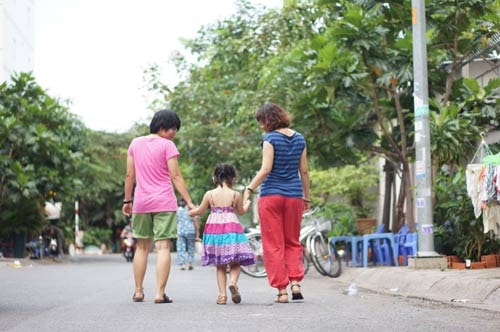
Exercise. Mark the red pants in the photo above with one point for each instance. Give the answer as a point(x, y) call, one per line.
point(280, 220)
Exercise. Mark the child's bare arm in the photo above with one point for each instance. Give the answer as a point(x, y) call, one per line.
point(204, 205)
point(241, 207)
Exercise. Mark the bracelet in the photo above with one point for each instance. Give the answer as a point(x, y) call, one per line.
point(127, 201)
point(250, 190)
point(306, 200)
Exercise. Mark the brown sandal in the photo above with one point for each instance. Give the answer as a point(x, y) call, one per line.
point(235, 294)
point(282, 297)
point(221, 299)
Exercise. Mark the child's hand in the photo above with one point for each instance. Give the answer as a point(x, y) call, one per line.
point(246, 205)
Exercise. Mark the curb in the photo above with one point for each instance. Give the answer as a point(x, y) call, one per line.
point(478, 289)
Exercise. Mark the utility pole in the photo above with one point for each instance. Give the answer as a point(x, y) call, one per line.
point(423, 172)
point(78, 242)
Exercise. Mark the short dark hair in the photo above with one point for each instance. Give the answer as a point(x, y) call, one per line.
point(224, 173)
point(273, 117)
point(166, 119)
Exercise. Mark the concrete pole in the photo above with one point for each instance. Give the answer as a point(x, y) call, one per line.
point(77, 229)
point(423, 172)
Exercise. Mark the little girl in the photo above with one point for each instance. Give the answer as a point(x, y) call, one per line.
point(223, 239)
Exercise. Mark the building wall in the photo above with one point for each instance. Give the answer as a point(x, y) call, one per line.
point(17, 31)
point(482, 70)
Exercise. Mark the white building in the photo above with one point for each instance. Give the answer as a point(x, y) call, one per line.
point(16, 37)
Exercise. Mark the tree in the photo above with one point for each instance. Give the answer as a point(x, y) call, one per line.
point(102, 171)
point(344, 71)
point(218, 99)
point(358, 79)
point(40, 146)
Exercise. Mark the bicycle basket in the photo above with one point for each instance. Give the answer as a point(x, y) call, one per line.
point(323, 225)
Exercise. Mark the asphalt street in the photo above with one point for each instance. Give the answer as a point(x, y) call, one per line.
point(94, 293)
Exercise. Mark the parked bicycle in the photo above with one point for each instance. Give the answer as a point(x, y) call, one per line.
point(317, 250)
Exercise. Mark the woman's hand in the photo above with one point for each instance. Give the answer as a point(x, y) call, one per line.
point(307, 205)
point(127, 209)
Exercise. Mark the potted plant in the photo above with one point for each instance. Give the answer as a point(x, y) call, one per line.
point(458, 232)
point(490, 250)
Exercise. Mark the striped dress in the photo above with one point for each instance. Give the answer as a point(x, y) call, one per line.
point(224, 241)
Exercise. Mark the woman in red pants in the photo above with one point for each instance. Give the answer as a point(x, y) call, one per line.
point(284, 196)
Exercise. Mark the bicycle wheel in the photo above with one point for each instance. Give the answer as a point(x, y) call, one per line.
point(324, 257)
point(305, 260)
point(257, 270)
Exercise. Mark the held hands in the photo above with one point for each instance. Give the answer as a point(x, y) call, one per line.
point(246, 204)
point(246, 194)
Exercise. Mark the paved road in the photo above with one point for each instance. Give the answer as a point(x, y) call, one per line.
point(93, 293)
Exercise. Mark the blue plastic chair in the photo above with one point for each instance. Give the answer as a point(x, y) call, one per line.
point(358, 246)
point(373, 239)
point(410, 246)
point(399, 239)
point(379, 249)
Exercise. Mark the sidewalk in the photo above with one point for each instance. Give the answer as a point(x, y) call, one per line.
point(478, 289)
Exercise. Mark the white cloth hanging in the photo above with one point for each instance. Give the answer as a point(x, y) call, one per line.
point(483, 188)
point(474, 186)
point(491, 218)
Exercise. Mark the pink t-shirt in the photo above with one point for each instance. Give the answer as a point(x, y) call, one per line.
point(154, 191)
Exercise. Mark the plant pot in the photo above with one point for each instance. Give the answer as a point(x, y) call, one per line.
point(451, 259)
point(401, 260)
point(498, 260)
point(458, 265)
point(489, 260)
point(477, 265)
point(366, 225)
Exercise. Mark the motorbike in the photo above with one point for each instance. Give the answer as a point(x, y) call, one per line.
point(51, 241)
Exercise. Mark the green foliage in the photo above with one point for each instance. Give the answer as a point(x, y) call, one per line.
point(342, 216)
point(349, 184)
point(97, 236)
point(40, 148)
point(454, 134)
point(344, 71)
point(102, 173)
point(458, 231)
point(221, 94)
point(26, 216)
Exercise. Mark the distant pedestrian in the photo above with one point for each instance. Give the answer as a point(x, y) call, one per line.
point(224, 242)
point(187, 233)
point(284, 195)
point(152, 164)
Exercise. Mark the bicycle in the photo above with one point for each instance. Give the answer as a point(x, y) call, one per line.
point(317, 249)
point(325, 258)
point(254, 239)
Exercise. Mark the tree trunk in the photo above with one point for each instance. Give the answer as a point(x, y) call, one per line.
point(389, 180)
point(410, 217)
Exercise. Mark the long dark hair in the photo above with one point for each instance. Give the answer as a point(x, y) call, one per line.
point(224, 173)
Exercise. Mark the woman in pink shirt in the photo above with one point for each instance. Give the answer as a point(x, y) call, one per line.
point(152, 165)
